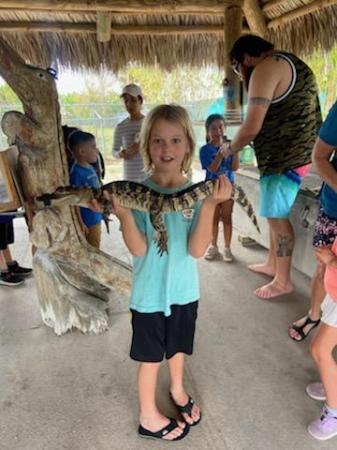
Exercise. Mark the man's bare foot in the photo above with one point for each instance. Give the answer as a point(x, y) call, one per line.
point(181, 399)
point(158, 422)
point(303, 330)
point(263, 268)
point(273, 289)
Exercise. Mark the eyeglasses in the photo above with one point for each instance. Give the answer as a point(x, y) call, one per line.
point(236, 68)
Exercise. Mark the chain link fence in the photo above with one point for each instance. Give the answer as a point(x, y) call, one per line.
point(101, 119)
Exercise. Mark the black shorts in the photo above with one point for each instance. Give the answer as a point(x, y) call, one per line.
point(6, 234)
point(156, 336)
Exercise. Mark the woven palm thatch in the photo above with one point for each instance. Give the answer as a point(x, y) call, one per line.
point(80, 48)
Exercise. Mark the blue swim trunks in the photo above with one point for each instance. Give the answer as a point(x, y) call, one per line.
point(278, 194)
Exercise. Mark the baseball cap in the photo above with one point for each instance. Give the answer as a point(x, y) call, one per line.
point(132, 89)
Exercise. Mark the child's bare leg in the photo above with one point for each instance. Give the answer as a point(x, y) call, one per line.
point(317, 295)
point(226, 213)
point(216, 219)
point(3, 262)
point(321, 350)
point(7, 255)
point(176, 367)
point(150, 417)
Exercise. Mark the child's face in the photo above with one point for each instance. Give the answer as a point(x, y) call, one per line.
point(168, 146)
point(133, 105)
point(89, 151)
point(216, 131)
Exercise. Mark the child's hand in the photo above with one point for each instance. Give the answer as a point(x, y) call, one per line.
point(130, 152)
point(122, 153)
point(117, 209)
point(325, 255)
point(224, 150)
point(134, 149)
point(222, 191)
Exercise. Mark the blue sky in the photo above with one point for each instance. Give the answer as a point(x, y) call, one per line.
point(69, 81)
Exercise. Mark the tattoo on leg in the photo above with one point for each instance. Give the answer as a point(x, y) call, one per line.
point(285, 246)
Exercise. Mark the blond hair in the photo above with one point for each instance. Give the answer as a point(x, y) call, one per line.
point(171, 113)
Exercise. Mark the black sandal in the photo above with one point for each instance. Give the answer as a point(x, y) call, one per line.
point(186, 409)
point(300, 329)
point(144, 433)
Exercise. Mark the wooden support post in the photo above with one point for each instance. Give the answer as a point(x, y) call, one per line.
point(103, 26)
point(232, 31)
point(255, 18)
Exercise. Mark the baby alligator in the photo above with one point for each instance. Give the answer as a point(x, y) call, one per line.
point(139, 197)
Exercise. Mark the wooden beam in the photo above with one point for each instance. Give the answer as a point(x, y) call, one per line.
point(90, 27)
point(113, 13)
point(300, 12)
point(103, 26)
point(53, 27)
point(272, 4)
point(255, 18)
point(121, 6)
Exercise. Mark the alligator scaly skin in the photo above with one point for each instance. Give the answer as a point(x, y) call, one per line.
point(139, 197)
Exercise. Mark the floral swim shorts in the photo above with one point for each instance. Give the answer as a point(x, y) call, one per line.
point(325, 231)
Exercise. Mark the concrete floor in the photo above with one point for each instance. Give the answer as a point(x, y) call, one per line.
point(78, 391)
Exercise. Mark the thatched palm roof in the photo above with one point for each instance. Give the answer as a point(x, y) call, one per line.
point(169, 33)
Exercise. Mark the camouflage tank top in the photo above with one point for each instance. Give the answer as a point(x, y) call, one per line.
point(291, 124)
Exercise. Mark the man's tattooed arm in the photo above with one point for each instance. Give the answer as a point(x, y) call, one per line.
point(259, 101)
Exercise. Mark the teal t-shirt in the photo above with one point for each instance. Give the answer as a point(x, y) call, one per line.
point(170, 279)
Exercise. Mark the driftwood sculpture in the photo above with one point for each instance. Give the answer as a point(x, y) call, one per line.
point(70, 274)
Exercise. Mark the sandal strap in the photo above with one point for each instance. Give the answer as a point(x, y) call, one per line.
point(186, 409)
point(161, 433)
point(309, 321)
point(300, 328)
point(170, 427)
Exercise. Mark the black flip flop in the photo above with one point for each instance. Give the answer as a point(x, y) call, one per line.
point(300, 329)
point(186, 409)
point(144, 433)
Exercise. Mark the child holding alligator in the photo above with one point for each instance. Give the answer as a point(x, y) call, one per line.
point(165, 291)
point(82, 173)
point(214, 163)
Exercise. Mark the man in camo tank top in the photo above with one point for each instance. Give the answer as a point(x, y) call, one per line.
point(282, 122)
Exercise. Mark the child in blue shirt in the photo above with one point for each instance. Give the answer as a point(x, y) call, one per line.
point(82, 173)
point(165, 291)
point(214, 163)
